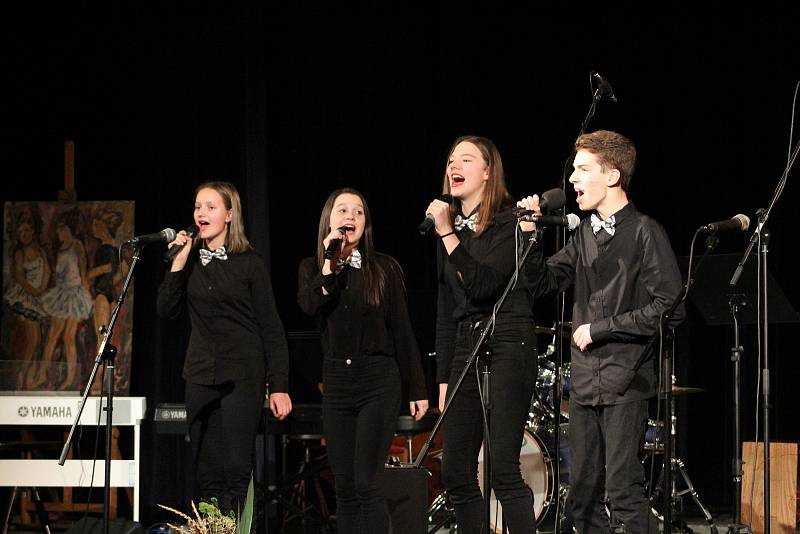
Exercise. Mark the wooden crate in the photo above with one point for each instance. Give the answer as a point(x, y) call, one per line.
point(783, 487)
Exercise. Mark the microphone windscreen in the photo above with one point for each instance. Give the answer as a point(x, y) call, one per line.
point(573, 221)
point(744, 221)
point(553, 199)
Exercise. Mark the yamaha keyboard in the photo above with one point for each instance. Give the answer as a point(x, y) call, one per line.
point(170, 418)
point(26, 410)
point(46, 410)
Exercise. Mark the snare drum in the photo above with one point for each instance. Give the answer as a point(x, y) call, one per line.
point(537, 472)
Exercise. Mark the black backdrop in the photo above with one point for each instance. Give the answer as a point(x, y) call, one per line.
point(292, 102)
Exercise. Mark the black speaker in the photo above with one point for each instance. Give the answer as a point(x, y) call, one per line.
point(406, 492)
point(94, 525)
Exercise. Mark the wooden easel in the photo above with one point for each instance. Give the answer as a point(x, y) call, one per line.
point(66, 504)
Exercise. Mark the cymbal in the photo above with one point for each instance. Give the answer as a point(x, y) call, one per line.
point(551, 330)
point(684, 390)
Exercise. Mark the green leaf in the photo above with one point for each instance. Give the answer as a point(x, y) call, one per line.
point(245, 521)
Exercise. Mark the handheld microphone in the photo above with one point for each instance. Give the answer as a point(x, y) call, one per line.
point(604, 87)
point(550, 200)
point(334, 244)
point(553, 199)
point(427, 224)
point(191, 231)
point(737, 223)
point(570, 220)
point(164, 236)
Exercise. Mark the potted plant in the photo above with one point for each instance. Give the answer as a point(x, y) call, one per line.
point(209, 519)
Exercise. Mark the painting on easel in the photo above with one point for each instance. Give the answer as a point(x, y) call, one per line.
point(63, 269)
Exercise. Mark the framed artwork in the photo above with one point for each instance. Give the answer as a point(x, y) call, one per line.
point(63, 270)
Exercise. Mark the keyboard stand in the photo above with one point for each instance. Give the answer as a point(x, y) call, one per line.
point(28, 448)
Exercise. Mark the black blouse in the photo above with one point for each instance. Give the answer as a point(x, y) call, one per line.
point(349, 328)
point(473, 277)
point(236, 330)
point(621, 286)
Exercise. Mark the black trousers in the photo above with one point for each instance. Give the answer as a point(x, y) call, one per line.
point(223, 421)
point(605, 446)
point(514, 366)
point(360, 405)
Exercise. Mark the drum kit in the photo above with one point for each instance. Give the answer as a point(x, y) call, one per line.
point(537, 454)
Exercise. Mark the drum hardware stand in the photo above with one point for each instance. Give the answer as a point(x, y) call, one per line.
point(441, 504)
point(676, 466)
point(664, 338)
point(560, 510)
point(292, 493)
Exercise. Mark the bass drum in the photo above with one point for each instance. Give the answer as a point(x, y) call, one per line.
point(537, 472)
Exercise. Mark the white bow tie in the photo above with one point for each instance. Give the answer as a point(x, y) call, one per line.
point(607, 225)
point(470, 222)
point(353, 260)
point(208, 255)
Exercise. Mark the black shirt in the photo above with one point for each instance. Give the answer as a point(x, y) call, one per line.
point(236, 331)
point(351, 329)
point(471, 279)
point(621, 286)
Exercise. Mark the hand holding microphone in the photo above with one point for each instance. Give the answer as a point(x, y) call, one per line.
point(528, 206)
point(437, 215)
point(333, 243)
point(178, 250)
point(551, 200)
point(532, 208)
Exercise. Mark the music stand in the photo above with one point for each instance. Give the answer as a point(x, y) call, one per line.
point(711, 293)
point(718, 306)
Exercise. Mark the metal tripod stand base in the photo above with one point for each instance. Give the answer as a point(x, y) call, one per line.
point(677, 495)
point(441, 513)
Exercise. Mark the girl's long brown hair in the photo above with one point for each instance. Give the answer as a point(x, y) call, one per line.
point(374, 274)
point(495, 193)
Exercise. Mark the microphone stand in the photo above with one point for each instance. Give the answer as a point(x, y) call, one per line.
point(761, 236)
point(476, 349)
point(665, 334)
point(736, 303)
point(560, 308)
point(105, 355)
